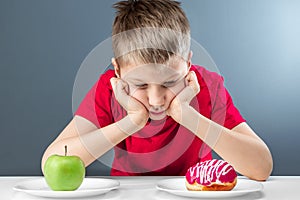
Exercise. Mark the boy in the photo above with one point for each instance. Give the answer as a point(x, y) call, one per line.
point(160, 113)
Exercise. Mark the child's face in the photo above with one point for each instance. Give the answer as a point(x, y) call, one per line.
point(156, 85)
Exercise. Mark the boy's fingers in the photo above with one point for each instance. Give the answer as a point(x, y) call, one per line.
point(192, 81)
point(192, 88)
point(113, 83)
point(119, 85)
point(120, 89)
point(186, 95)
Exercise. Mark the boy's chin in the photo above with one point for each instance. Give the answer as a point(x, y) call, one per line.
point(159, 117)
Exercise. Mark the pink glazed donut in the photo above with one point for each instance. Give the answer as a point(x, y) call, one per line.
point(211, 175)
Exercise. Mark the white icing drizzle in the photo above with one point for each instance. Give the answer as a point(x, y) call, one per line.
point(206, 170)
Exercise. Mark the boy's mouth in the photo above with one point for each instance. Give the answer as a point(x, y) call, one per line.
point(157, 113)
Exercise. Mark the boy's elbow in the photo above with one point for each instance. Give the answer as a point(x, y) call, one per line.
point(261, 176)
point(263, 172)
point(43, 160)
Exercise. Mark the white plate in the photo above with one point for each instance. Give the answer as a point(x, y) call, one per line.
point(177, 186)
point(89, 187)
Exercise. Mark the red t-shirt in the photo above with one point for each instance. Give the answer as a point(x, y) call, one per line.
point(162, 147)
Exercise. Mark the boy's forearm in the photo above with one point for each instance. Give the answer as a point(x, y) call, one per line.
point(249, 155)
point(204, 128)
point(89, 146)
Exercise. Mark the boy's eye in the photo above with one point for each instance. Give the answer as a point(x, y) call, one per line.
point(166, 84)
point(142, 86)
point(169, 83)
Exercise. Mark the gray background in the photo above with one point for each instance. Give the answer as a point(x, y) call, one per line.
point(255, 44)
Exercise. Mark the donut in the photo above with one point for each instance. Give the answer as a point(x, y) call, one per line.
point(211, 175)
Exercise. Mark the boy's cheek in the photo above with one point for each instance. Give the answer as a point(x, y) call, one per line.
point(178, 87)
point(138, 94)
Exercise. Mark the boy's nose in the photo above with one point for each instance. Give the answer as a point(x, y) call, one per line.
point(156, 96)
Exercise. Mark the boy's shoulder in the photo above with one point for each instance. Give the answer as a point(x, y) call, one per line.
point(205, 76)
point(104, 78)
point(107, 75)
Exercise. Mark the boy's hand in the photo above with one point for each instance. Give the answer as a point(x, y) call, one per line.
point(181, 102)
point(137, 113)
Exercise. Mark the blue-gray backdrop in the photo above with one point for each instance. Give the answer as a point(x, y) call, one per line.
point(255, 44)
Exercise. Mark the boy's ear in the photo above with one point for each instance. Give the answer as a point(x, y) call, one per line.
point(116, 67)
point(189, 61)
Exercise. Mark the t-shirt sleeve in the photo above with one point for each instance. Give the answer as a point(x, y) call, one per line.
point(224, 111)
point(96, 105)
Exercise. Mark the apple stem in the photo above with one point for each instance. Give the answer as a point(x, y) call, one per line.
point(66, 150)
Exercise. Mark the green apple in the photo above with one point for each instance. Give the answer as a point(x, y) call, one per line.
point(64, 173)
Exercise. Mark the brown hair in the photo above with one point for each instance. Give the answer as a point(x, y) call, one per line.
point(149, 31)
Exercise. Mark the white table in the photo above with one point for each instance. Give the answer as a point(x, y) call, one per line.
point(276, 187)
